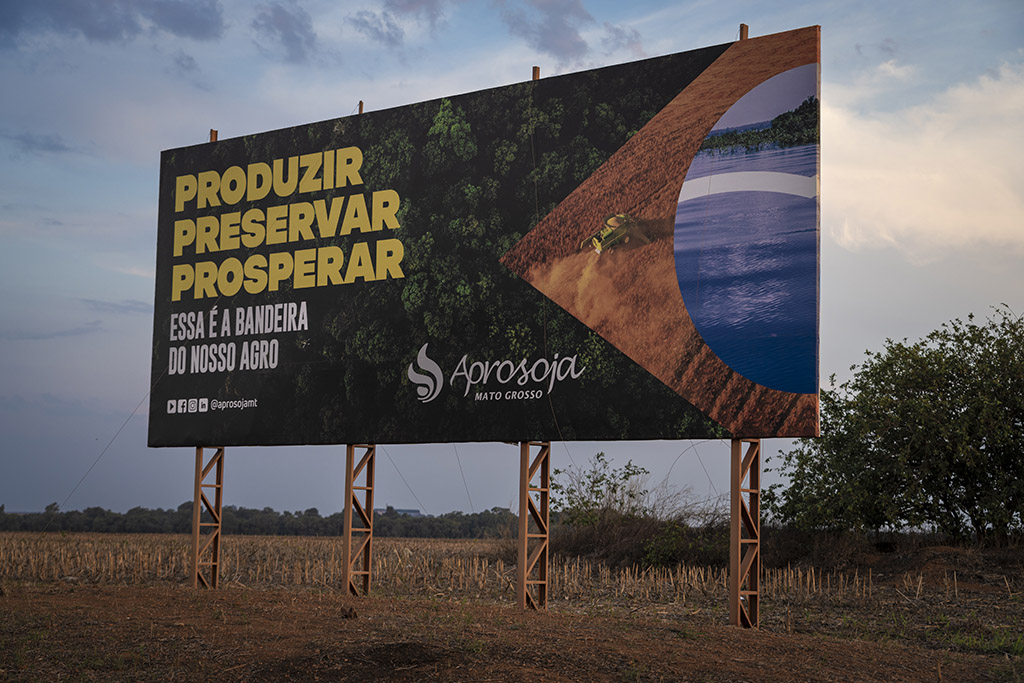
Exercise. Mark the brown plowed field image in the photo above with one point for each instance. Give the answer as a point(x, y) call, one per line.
point(631, 296)
point(110, 607)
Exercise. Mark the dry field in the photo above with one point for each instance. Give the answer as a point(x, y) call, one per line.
point(102, 607)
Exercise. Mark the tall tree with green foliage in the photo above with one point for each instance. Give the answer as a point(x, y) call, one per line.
point(927, 434)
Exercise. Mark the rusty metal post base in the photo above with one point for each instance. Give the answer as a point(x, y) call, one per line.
point(357, 545)
point(206, 534)
point(745, 534)
point(534, 502)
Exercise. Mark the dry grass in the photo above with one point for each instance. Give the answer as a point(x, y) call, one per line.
point(923, 600)
point(463, 569)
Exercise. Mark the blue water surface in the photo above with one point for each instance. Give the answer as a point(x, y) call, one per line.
point(801, 160)
point(747, 264)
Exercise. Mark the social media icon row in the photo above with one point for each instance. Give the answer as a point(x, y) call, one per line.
point(179, 406)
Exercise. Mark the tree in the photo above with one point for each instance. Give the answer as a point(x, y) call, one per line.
point(450, 139)
point(589, 494)
point(928, 434)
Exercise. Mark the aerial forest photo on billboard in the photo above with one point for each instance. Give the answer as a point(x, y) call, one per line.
point(538, 260)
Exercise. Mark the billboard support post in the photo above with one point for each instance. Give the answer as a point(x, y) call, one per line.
point(206, 555)
point(533, 539)
point(745, 534)
point(357, 544)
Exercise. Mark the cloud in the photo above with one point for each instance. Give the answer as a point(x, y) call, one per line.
point(379, 27)
point(887, 46)
point(622, 37)
point(185, 63)
point(398, 19)
point(126, 306)
point(289, 25)
point(892, 70)
point(430, 10)
point(31, 143)
point(110, 21)
point(930, 179)
point(17, 335)
point(198, 19)
point(551, 27)
point(874, 88)
point(185, 67)
point(134, 271)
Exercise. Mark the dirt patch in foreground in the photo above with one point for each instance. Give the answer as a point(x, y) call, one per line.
point(59, 632)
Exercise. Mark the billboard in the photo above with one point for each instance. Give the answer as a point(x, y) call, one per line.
point(624, 253)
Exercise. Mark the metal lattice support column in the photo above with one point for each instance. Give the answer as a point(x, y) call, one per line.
point(357, 548)
point(206, 553)
point(745, 534)
point(534, 502)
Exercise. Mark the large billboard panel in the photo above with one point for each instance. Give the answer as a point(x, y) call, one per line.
point(624, 253)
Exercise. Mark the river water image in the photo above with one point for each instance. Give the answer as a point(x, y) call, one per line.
point(746, 254)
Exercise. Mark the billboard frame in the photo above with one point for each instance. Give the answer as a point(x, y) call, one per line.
point(744, 563)
point(346, 376)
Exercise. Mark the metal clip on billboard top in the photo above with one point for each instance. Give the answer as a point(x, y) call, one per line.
point(536, 73)
point(213, 135)
point(744, 30)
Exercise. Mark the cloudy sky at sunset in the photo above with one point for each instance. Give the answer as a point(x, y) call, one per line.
point(922, 199)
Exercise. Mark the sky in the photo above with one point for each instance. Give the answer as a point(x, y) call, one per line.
point(922, 201)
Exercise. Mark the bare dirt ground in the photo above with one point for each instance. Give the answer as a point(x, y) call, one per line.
point(115, 607)
point(56, 631)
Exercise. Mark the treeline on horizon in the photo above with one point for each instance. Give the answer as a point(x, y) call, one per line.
point(790, 129)
point(492, 523)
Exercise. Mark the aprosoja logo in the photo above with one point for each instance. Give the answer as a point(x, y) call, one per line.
point(427, 386)
point(541, 371)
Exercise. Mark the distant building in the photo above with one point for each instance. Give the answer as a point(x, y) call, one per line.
point(397, 511)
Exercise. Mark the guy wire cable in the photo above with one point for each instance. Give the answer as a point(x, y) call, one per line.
point(100, 456)
point(459, 460)
point(392, 461)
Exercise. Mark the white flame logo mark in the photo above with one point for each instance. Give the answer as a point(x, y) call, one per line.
point(427, 386)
